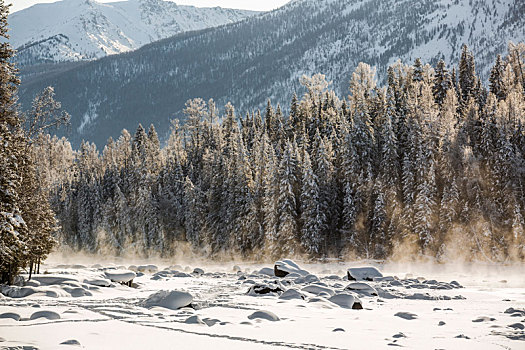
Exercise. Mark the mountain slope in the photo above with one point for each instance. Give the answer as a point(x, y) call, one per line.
point(76, 30)
point(263, 57)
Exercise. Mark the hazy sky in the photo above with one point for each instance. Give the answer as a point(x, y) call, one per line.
point(261, 5)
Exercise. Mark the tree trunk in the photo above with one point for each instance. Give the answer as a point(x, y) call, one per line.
point(38, 269)
point(30, 269)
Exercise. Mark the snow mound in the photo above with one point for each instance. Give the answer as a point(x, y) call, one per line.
point(198, 271)
point(286, 267)
point(362, 288)
point(48, 280)
point(120, 276)
point(169, 299)
point(18, 292)
point(99, 282)
point(344, 300)
point(147, 268)
point(306, 279)
point(363, 273)
point(317, 289)
point(78, 292)
point(10, 315)
point(291, 294)
point(406, 315)
point(264, 315)
point(50, 315)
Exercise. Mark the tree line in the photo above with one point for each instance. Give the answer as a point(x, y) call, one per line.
point(429, 165)
point(27, 221)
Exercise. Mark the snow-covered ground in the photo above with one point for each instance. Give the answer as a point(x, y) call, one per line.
point(422, 307)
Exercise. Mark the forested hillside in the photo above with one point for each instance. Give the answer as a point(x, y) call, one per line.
point(264, 57)
point(430, 165)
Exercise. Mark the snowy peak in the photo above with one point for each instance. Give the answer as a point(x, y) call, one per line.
point(77, 30)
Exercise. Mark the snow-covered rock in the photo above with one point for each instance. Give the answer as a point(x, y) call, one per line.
point(361, 288)
point(317, 290)
point(291, 294)
point(78, 292)
point(344, 300)
point(10, 315)
point(18, 292)
point(195, 319)
point(264, 315)
point(120, 276)
point(306, 279)
point(71, 342)
point(284, 267)
point(265, 288)
point(47, 280)
point(50, 315)
point(169, 299)
point(406, 315)
point(99, 282)
point(363, 273)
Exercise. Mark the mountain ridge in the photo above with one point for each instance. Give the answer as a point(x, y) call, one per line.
point(264, 56)
point(79, 30)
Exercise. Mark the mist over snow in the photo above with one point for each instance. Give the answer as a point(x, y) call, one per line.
point(239, 305)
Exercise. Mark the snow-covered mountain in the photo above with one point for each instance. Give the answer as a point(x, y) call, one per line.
point(263, 57)
point(75, 30)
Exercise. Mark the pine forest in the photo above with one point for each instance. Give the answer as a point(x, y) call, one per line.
point(430, 166)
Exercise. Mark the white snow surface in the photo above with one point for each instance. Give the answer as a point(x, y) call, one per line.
point(76, 30)
point(446, 306)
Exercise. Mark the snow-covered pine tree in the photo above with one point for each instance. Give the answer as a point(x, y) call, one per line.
point(496, 79)
point(287, 229)
point(442, 83)
point(313, 215)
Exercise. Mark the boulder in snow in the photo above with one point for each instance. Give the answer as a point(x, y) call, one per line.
point(169, 299)
point(363, 273)
point(263, 289)
point(194, 320)
point(287, 266)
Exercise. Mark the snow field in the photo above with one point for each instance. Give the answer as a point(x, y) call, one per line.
point(217, 310)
